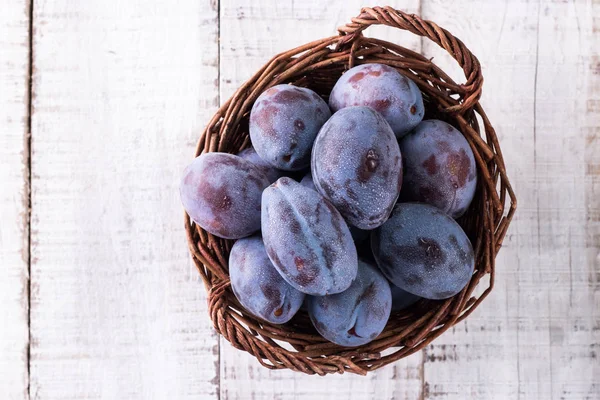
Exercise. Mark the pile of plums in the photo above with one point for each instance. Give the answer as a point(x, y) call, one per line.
point(376, 178)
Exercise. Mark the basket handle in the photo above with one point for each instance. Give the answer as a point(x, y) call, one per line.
point(413, 23)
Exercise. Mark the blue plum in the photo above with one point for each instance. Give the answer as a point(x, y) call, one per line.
point(284, 122)
point(384, 89)
point(423, 251)
point(439, 167)
point(307, 239)
point(357, 315)
point(222, 193)
point(270, 171)
point(402, 299)
point(257, 284)
point(357, 165)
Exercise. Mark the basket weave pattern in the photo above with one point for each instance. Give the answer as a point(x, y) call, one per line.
point(318, 65)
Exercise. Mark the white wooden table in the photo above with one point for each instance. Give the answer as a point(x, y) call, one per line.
point(101, 102)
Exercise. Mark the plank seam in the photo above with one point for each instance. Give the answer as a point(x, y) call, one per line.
point(28, 154)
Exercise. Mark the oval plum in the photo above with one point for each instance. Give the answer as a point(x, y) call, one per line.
point(384, 89)
point(257, 284)
point(423, 251)
point(307, 239)
point(357, 315)
point(284, 122)
point(221, 193)
point(439, 167)
point(357, 165)
point(270, 171)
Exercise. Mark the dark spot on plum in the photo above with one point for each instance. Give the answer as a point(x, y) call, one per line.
point(217, 198)
point(265, 117)
point(352, 331)
point(374, 72)
point(413, 109)
point(286, 158)
point(381, 105)
point(320, 326)
point(463, 256)
point(459, 166)
point(307, 276)
point(430, 195)
point(413, 280)
point(427, 251)
point(299, 262)
point(319, 112)
point(295, 227)
point(290, 96)
point(368, 293)
point(299, 124)
point(368, 166)
point(271, 293)
point(430, 165)
point(351, 193)
point(278, 312)
point(273, 256)
point(356, 77)
point(449, 128)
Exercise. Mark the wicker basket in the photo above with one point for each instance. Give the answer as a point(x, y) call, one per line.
point(318, 65)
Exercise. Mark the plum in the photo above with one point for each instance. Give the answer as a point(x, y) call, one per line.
point(357, 165)
point(384, 89)
point(270, 171)
point(307, 239)
point(439, 167)
point(222, 193)
point(257, 284)
point(284, 122)
point(423, 251)
point(357, 315)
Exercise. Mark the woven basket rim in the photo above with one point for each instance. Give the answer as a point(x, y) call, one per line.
point(318, 64)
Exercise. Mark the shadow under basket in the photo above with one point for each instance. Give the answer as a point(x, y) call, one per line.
point(318, 65)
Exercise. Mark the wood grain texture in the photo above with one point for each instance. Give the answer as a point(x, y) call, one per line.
point(14, 198)
point(251, 33)
point(537, 335)
point(121, 90)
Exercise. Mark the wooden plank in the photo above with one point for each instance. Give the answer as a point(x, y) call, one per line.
point(121, 91)
point(537, 335)
point(251, 33)
point(14, 198)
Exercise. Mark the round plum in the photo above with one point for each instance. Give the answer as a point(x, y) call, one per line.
point(357, 165)
point(221, 193)
point(257, 284)
point(357, 315)
point(284, 122)
point(270, 171)
point(384, 89)
point(307, 239)
point(402, 299)
point(439, 167)
point(423, 251)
